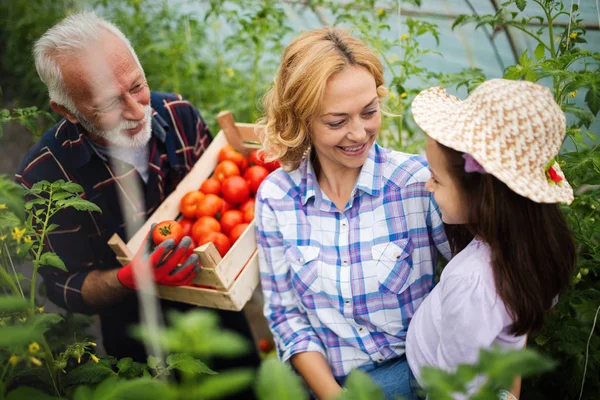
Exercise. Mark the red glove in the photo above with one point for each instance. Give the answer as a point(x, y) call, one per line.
point(163, 261)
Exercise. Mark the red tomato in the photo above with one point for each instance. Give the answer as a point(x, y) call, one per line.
point(226, 169)
point(230, 219)
point(186, 225)
point(247, 204)
point(211, 186)
point(254, 176)
point(231, 154)
point(265, 345)
point(249, 215)
point(189, 203)
point(220, 241)
point(258, 158)
point(167, 230)
point(226, 207)
point(210, 206)
point(203, 226)
point(236, 232)
point(235, 190)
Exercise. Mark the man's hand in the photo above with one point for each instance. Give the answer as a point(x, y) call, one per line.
point(162, 261)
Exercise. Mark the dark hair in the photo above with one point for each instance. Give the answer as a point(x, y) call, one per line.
point(533, 254)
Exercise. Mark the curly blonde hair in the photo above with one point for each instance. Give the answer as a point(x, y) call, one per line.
point(295, 97)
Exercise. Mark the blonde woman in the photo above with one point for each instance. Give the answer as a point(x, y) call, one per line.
point(347, 231)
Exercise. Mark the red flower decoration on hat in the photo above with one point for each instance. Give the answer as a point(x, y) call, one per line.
point(554, 176)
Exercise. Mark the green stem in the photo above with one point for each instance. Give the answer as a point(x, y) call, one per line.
point(6, 277)
point(36, 260)
point(533, 35)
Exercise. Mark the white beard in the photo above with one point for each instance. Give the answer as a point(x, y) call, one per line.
point(115, 136)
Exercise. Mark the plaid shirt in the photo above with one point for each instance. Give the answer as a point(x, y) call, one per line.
point(346, 284)
point(179, 137)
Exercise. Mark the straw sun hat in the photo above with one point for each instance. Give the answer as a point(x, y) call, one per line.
point(513, 129)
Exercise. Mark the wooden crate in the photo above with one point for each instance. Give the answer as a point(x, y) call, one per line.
point(228, 282)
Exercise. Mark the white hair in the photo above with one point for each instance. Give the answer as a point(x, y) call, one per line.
point(66, 39)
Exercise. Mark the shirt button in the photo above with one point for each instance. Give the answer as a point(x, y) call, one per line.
point(345, 262)
point(361, 329)
point(300, 260)
point(379, 360)
point(347, 301)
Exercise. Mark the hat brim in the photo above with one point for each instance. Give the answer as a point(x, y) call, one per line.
point(452, 122)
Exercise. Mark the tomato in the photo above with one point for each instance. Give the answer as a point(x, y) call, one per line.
point(247, 204)
point(236, 232)
point(220, 241)
point(265, 345)
point(211, 186)
point(210, 206)
point(249, 215)
point(226, 169)
point(226, 207)
point(186, 225)
point(167, 230)
point(254, 176)
point(203, 226)
point(235, 190)
point(230, 219)
point(189, 203)
point(231, 154)
point(258, 158)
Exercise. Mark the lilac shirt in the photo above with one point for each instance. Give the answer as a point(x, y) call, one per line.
point(461, 315)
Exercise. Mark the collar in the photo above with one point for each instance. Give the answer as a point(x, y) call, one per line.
point(369, 179)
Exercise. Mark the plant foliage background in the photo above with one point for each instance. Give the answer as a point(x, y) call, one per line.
point(222, 54)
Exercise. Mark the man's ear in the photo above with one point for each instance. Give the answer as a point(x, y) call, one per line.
point(64, 111)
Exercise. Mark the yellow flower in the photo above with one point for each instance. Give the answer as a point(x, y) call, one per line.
point(13, 360)
point(92, 344)
point(404, 36)
point(573, 94)
point(394, 57)
point(34, 347)
point(380, 11)
point(3, 237)
point(96, 359)
point(558, 38)
point(403, 95)
point(3, 207)
point(27, 239)
point(78, 360)
point(35, 361)
point(573, 35)
point(17, 234)
point(392, 95)
point(230, 72)
point(40, 309)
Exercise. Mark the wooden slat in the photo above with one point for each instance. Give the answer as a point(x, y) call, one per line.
point(227, 124)
point(119, 247)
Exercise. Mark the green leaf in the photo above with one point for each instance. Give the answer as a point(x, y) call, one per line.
point(17, 335)
point(52, 260)
point(28, 393)
point(134, 389)
point(12, 304)
point(43, 322)
point(277, 381)
point(71, 187)
point(154, 362)
point(585, 117)
point(9, 220)
point(89, 373)
point(34, 202)
point(521, 4)
point(124, 364)
point(79, 204)
point(592, 97)
point(539, 52)
point(186, 363)
point(361, 387)
point(12, 195)
point(225, 384)
point(504, 365)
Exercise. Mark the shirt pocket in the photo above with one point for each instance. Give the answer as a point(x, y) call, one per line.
point(304, 268)
point(393, 264)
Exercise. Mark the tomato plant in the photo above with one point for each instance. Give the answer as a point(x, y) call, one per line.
point(168, 229)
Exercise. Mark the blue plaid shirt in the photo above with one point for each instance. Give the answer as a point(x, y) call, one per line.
point(346, 284)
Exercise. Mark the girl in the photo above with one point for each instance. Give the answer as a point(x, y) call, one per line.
point(492, 171)
point(347, 232)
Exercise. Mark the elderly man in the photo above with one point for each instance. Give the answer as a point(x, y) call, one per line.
point(115, 135)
